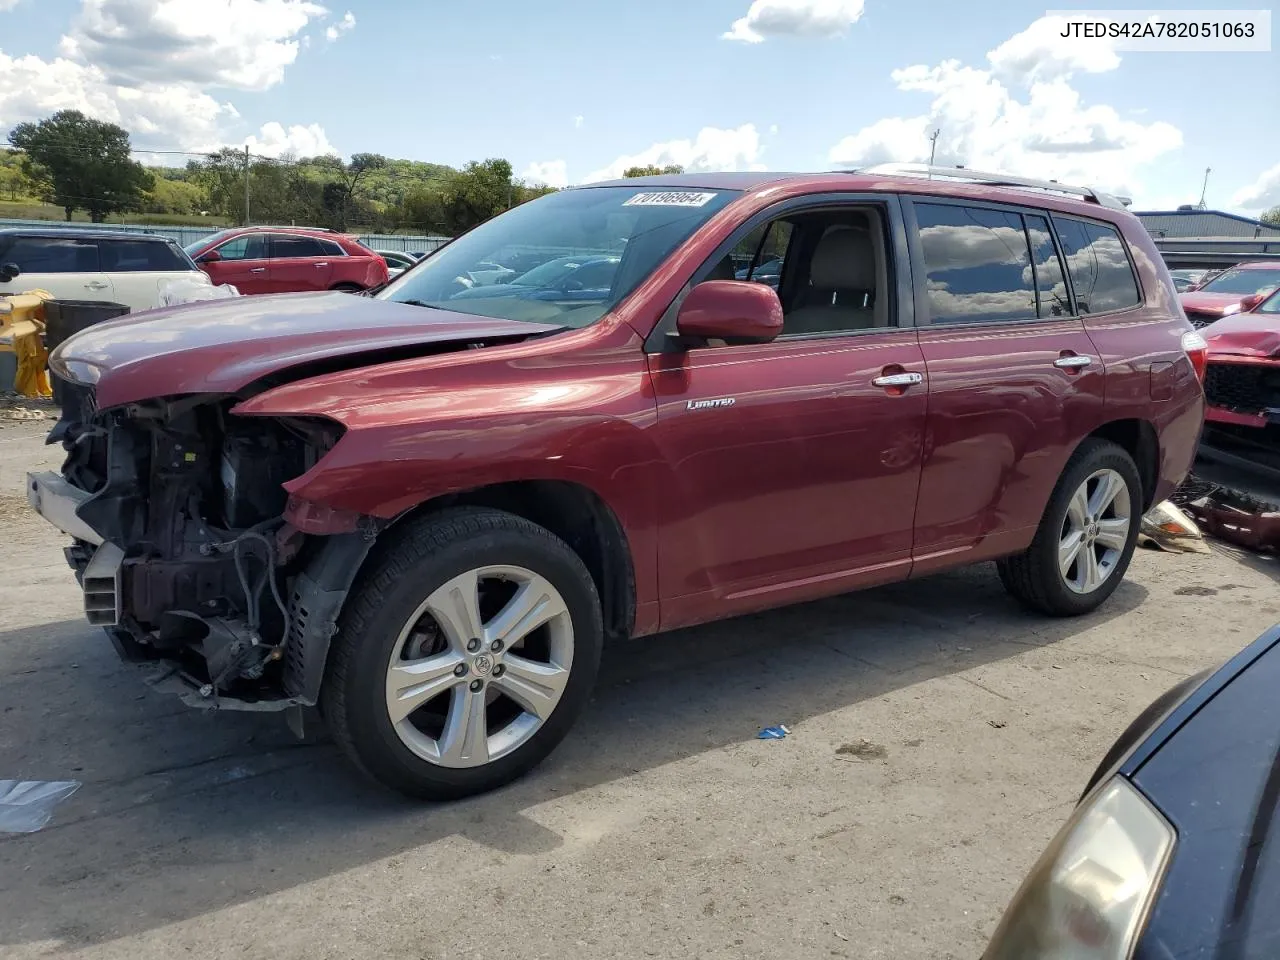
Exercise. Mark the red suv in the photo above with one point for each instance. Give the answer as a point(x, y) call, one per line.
point(288, 260)
point(426, 510)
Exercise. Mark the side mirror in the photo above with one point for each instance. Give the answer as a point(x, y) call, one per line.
point(731, 310)
point(9, 271)
point(1251, 301)
point(213, 256)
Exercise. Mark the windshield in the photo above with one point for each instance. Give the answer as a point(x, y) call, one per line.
point(1271, 304)
point(573, 255)
point(1244, 282)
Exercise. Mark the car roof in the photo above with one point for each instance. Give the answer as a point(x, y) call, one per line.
point(953, 184)
point(72, 233)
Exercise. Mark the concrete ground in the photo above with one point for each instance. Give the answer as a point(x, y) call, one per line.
point(660, 828)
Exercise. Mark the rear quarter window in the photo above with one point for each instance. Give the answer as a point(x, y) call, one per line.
point(140, 256)
point(1102, 276)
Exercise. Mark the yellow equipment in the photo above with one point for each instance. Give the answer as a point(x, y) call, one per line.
point(22, 334)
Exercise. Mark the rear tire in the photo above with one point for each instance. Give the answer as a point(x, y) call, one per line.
point(465, 655)
point(1087, 536)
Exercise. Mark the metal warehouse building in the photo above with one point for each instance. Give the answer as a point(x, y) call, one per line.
point(1205, 239)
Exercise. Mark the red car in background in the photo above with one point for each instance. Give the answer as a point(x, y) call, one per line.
point(1242, 383)
point(1236, 290)
point(288, 260)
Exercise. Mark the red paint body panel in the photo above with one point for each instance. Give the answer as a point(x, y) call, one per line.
point(812, 481)
point(804, 486)
point(1002, 422)
point(1254, 335)
point(359, 267)
point(220, 346)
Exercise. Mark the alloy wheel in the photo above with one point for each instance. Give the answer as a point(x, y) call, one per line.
point(479, 667)
point(1095, 531)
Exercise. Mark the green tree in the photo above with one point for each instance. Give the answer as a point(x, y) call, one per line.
point(477, 193)
point(652, 170)
point(1271, 216)
point(80, 163)
point(173, 196)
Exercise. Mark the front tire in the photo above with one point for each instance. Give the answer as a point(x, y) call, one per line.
point(1086, 538)
point(465, 655)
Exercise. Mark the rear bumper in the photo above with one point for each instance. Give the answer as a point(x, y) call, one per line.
point(57, 501)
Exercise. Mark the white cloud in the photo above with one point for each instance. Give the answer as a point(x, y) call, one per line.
point(712, 149)
point(578, 121)
point(553, 173)
point(1040, 52)
point(159, 116)
point(296, 141)
point(147, 65)
point(797, 18)
point(233, 43)
point(345, 25)
point(1042, 129)
point(8, 4)
point(1262, 194)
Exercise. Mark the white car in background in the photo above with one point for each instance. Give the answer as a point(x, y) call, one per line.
point(397, 261)
point(99, 265)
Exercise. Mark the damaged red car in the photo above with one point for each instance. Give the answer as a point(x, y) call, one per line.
point(425, 513)
point(1236, 290)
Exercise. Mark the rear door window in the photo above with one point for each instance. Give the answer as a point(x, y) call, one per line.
point(52, 255)
point(1102, 276)
point(284, 248)
point(138, 256)
point(1051, 288)
point(978, 264)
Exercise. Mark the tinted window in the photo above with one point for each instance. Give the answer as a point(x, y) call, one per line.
point(977, 263)
point(125, 256)
point(284, 247)
point(1100, 270)
point(330, 249)
point(52, 255)
point(1051, 289)
point(250, 246)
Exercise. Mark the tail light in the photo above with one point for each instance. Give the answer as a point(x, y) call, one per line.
point(1197, 351)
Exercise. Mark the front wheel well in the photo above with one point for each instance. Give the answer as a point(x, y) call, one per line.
point(579, 517)
point(1139, 440)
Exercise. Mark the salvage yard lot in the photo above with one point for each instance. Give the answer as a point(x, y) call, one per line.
point(661, 827)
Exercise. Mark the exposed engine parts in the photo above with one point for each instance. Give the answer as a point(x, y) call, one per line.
point(195, 496)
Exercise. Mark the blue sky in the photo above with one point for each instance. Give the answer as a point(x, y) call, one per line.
point(568, 91)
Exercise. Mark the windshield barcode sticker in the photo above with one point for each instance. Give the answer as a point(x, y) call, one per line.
point(670, 200)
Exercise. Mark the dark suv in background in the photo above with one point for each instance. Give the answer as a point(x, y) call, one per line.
point(431, 528)
point(288, 260)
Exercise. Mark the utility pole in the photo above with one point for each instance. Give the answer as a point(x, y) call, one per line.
point(933, 144)
point(1204, 189)
point(246, 184)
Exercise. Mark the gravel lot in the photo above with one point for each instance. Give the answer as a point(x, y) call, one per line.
point(661, 828)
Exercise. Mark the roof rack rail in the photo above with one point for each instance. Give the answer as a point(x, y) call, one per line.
point(290, 226)
point(995, 180)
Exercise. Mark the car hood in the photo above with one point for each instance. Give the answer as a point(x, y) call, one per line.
point(1245, 335)
point(222, 346)
point(1206, 302)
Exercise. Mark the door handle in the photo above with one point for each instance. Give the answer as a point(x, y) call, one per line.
point(257, 269)
point(898, 380)
point(1072, 362)
point(323, 263)
point(96, 285)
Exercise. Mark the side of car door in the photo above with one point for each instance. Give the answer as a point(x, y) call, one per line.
point(794, 463)
point(67, 267)
point(139, 268)
point(1015, 382)
point(300, 263)
point(241, 261)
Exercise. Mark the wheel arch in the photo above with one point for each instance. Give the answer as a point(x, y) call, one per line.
point(1139, 439)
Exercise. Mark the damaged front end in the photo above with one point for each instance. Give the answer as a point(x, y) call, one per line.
point(183, 548)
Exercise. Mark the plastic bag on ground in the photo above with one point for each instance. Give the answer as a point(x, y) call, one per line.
point(27, 805)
